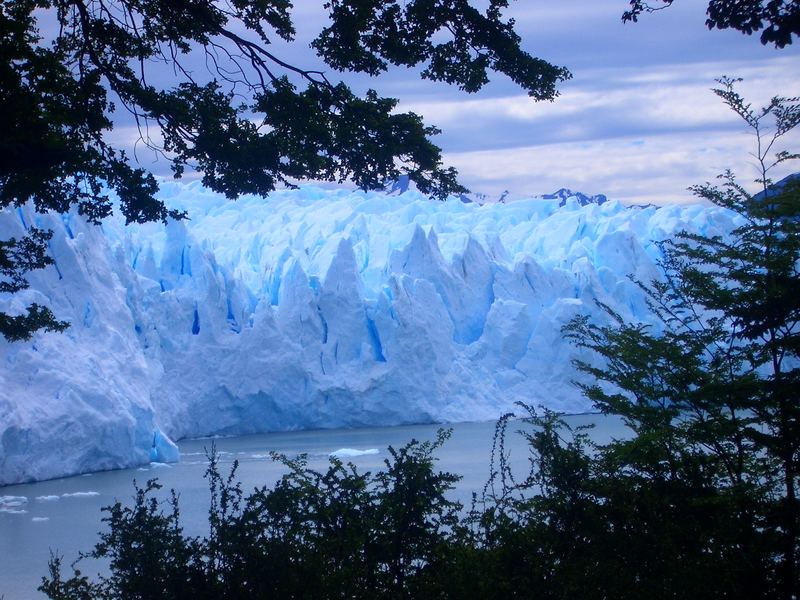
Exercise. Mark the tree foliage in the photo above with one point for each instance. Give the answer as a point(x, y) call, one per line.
point(335, 533)
point(586, 521)
point(711, 393)
point(700, 500)
point(247, 119)
point(602, 521)
point(17, 257)
point(777, 20)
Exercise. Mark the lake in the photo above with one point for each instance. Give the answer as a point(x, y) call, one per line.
point(64, 515)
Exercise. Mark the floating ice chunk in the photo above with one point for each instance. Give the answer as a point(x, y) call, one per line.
point(351, 452)
point(164, 449)
point(80, 494)
point(50, 498)
point(40, 519)
point(11, 502)
point(160, 465)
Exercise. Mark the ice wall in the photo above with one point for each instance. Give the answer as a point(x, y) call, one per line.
point(78, 401)
point(311, 308)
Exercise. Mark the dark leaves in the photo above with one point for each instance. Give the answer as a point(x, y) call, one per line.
point(369, 35)
point(778, 20)
point(323, 534)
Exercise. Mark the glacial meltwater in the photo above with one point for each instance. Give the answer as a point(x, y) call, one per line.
point(64, 515)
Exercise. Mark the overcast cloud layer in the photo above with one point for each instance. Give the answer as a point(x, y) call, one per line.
point(637, 122)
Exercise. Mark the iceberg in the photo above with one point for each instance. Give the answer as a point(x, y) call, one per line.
point(12, 502)
point(353, 452)
point(311, 308)
point(164, 450)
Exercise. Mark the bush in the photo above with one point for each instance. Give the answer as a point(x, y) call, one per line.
point(332, 534)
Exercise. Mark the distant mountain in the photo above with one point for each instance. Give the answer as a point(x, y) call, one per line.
point(777, 187)
point(561, 195)
point(565, 194)
point(403, 184)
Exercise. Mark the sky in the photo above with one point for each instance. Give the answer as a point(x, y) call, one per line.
point(637, 121)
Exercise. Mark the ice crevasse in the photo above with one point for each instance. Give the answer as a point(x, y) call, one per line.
point(309, 309)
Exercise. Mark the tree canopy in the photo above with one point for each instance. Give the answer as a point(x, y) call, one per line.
point(250, 122)
point(777, 20)
point(711, 390)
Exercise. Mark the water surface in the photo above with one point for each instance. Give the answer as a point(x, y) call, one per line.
point(64, 515)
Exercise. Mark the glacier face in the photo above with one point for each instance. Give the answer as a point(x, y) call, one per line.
point(309, 309)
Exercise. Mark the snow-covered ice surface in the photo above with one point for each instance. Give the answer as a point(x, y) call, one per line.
point(310, 309)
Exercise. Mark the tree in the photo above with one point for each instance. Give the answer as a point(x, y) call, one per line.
point(700, 500)
point(778, 20)
point(248, 120)
point(17, 257)
point(335, 533)
point(711, 392)
point(597, 522)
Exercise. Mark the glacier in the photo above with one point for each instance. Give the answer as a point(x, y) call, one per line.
point(311, 308)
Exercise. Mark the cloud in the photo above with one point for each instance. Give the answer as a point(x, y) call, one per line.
point(634, 170)
point(637, 121)
point(640, 135)
point(668, 96)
